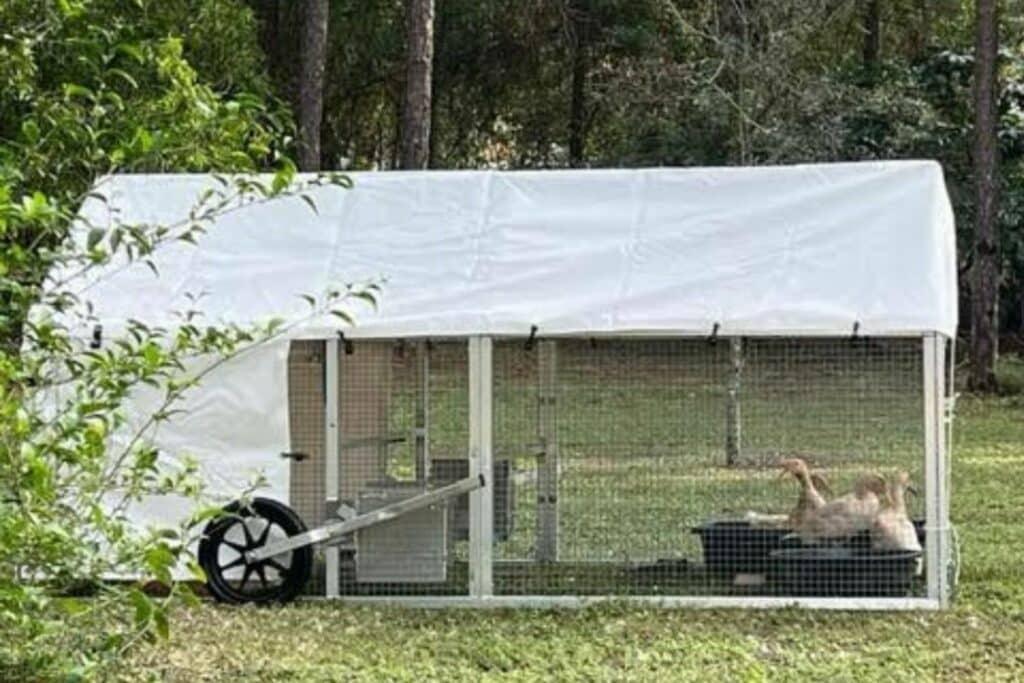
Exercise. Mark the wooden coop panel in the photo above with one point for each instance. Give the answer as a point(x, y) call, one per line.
point(363, 412)
point(306, 423)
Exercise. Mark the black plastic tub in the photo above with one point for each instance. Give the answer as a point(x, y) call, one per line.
point(836, 571)
point(737, 547)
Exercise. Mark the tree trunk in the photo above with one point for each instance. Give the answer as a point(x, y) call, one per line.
point(311, 82)
point(419, 27)
point(872, 27)
point(985, 270)
point(279, 39)
point(923, 36)
point(266, 12)
point(579, 21)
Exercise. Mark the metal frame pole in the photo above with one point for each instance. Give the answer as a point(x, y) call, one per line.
point(332, 453)
point(422, 428)
point(548, 465)
point(481, 501)
point(936, 495)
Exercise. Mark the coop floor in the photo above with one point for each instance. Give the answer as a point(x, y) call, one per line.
point(661, 578)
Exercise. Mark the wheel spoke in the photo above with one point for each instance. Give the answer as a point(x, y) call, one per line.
point(263, 575)
point(245, 575)
point(235, 546)
point(276, 565)
point(262, 540)
point(248, 536)
point(237, 562)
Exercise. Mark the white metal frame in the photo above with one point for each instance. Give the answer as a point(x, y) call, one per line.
point(332, 453)
point(549, 468)
point(481, 501)
point(668, 601)
point(937, 545)
point(481, 525)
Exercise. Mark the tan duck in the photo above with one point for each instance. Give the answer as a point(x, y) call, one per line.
point(892, 529)
point(845, 516)
point(810, 497)
point(811, 485)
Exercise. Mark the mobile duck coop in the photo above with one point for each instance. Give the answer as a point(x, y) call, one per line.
point(703, 386)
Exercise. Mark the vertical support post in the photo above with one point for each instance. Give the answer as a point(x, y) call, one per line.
point(422, 428)
point(732, 407)
point(481, 501)
point(936, 496)
point(548, 465)
point(332, 452)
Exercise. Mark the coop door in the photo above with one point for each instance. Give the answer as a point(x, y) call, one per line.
point(403, 431)
point(306, 421)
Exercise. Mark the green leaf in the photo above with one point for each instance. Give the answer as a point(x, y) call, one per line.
point(160, 623)
point(283, 178)
point(34, 206)
point(75, 90)
point(343, 316)
point(196, 571)
point(367, 297)
point(310, 202)
point(126, 77)
point(73, 606)
point(30, 130)
point(94, 238)
point(132, 51)
point(143, 605)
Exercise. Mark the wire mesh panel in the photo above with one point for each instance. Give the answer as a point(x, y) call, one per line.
point(650, 467)
point(307, 422)
point(404, 431)
point(674, 467)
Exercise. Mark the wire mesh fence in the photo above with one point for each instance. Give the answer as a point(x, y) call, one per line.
point(671, 467)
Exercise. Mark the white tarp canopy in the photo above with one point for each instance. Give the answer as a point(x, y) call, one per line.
point(759, 251)
point(794, 250)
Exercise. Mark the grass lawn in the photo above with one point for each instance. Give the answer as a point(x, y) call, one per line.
point(980, 638)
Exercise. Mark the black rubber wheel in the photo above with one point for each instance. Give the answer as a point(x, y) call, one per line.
point(230, 578)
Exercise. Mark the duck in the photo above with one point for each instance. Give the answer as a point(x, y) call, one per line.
point(847, 515)
point(811, 485)
point(810, 498)
point(892, 528)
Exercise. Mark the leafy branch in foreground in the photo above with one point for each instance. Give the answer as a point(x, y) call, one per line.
point(72, 462)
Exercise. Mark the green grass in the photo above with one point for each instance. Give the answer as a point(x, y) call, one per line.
point(1010, 374)
point(980, 638)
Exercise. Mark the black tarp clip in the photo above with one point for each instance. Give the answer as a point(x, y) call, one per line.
point(713, 339)
point(346, 343)
point(531, 340)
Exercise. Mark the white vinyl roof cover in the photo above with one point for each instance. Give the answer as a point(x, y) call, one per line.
point(785, 250)
point(796, 250)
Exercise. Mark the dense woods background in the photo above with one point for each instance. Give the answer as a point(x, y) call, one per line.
point(92, 86)
point(554, 83)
